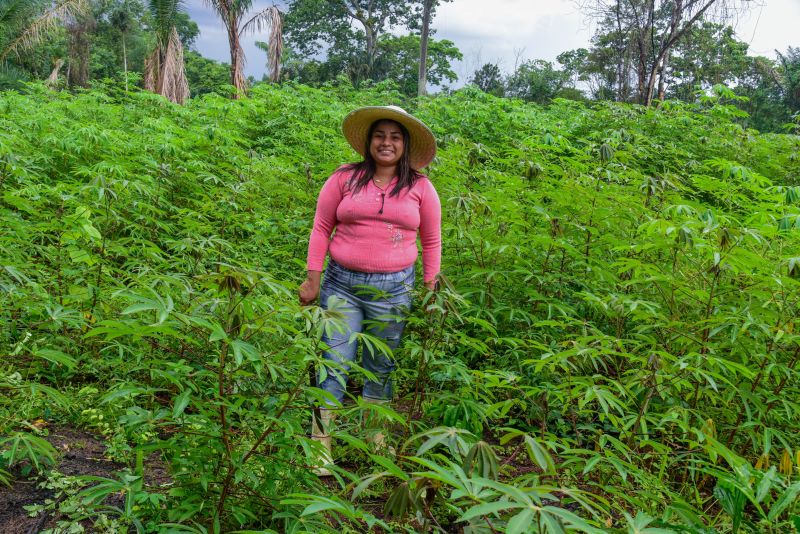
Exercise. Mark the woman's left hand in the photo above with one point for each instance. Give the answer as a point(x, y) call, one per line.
point(433, 285)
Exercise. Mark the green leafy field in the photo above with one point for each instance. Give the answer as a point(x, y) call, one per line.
point(615, 349)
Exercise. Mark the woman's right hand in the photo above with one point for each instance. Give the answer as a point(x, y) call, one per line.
point(309, 289)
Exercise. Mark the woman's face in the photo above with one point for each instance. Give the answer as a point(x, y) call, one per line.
point(387, 145)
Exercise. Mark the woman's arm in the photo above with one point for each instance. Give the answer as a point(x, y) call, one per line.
point(324, 222)
point(430, 233)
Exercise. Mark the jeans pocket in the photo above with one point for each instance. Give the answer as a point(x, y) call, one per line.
point(404, 277)
point(331, 280)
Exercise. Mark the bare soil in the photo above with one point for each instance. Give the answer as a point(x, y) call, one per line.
point(81, 454)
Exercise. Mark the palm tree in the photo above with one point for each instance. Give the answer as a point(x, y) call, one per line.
point(121, 20)
point(164, 71)
point(232, 13)
point(24, 23)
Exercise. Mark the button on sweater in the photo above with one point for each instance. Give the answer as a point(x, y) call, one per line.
point(375, 232)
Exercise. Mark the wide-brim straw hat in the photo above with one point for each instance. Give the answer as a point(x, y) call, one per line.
point(423, 145)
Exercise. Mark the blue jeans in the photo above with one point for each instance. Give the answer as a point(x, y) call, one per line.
point(375, 302)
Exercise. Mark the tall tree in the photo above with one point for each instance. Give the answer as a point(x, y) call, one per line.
point(233, 14)
point(79, 30)
point(398, 59)
point(121, 21)
point(164, 70)
point(25, 23)
point(655, 27)
point(489, 79)
point(709, 55)
point(790, 77)
point(350, 28)
point(536, 81)
point(422, 82)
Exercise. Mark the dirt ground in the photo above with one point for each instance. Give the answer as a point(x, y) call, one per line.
point(81, 454)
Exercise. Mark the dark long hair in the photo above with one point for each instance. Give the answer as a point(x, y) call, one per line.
point(364, 171)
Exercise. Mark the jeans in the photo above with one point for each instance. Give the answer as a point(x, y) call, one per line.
point(375, 302)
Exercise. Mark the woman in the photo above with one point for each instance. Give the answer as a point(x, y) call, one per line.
point(374, 209)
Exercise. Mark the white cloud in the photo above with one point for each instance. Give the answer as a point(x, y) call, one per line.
point(507, 31)
point(769, 27)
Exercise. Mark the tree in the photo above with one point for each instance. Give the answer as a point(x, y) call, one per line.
point(709, 55)
point(164, 71)
point(574, 63)
point(397, 59)
point(790, 77)
point(25, 23)
point(25, 26)
point(79, 29)
point(536, 81)
point(609, 64)
point(121, 21)
point(349, 29)
point(233, 13)
point(489, 79)
point(206, 75)
point(654, 27)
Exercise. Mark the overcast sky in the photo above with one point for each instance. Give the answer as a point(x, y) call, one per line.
point(502, 31)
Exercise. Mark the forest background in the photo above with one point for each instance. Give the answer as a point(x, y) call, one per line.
point(640, 50)
point(614, 348)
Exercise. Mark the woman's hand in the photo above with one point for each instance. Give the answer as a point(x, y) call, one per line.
point(432, 285)
point(309, 289)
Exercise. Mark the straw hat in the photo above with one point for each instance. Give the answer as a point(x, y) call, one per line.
point(356, 128)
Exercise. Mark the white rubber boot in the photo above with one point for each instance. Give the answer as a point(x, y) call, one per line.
point(377, 438)
point(322, 435)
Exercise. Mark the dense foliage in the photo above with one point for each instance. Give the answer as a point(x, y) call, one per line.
point(615, 347)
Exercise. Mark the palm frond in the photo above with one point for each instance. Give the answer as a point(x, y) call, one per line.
point(11, 77)
point(275, 50)
point(152, 66)
point(46, 22)
point(223, 7)
point(173, 71)
point(165, 14)
point(164, 70)
point(269, 18)
point(14, 14)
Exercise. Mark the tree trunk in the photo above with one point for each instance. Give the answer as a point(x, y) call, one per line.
point(237, 63)
point(644, 36)
point(79, 53)
point(651, 76)
point(125, 61)
point(626, 78)
point(372, 47)
point(422, 80)
point(662, 78)
point(621, 50)
point(52, 80)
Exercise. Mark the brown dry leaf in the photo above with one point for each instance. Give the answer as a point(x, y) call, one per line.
point(40, 424)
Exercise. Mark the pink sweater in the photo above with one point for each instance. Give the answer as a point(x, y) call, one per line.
point(370, 242)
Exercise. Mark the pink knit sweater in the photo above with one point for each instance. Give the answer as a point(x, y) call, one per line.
point(371, 242)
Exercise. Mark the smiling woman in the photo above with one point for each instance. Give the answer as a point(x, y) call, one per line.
point(386, 145)
point(376, 207)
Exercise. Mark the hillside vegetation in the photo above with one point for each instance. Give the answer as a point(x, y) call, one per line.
point(615, 348)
